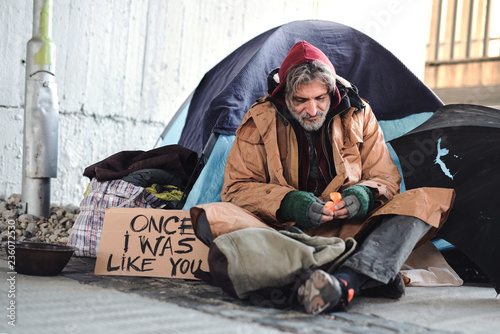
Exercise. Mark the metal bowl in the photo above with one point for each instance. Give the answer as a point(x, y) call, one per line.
point(39, 259)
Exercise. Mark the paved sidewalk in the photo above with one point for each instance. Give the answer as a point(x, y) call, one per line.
point(77, 301)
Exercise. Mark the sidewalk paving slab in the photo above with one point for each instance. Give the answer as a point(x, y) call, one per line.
point(77, 301)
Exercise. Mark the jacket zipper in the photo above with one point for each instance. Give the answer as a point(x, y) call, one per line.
point(325, 153)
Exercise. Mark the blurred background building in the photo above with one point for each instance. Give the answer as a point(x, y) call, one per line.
point(463, 54)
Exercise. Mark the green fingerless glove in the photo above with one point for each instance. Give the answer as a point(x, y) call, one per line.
point(295, 207)
point(365, 196)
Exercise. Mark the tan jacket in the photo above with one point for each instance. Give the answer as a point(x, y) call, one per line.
point(262, 168)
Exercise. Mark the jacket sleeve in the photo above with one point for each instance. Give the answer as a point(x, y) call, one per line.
point(379, 172)
point(248, 182)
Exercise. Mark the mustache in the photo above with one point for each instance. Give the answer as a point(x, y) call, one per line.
point(318, 113)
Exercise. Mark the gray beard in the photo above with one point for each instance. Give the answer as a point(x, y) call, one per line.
point(307, 125)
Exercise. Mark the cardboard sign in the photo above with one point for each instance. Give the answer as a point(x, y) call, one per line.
point(149, 242)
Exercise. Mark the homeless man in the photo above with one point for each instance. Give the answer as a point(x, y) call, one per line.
point(313, 135)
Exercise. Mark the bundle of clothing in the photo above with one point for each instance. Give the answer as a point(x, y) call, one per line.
point(130, 179)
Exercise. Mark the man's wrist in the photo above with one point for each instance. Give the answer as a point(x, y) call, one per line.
point(295, 207)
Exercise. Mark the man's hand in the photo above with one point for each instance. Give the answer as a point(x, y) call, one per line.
point(340, 212)
point(347, 208)
point(308, 211)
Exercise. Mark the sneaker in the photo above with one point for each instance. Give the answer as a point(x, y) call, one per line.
point(322, 292)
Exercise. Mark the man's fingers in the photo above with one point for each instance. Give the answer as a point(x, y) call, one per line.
point(340, 205)
point(341, 213)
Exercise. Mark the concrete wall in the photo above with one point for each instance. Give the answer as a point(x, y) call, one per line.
point(124, 67)
point(479, 72)
point(475, 81)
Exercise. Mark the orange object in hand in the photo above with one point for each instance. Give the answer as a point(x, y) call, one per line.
point(335, 198)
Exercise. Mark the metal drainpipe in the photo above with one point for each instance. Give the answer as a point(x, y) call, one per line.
point(41, 114)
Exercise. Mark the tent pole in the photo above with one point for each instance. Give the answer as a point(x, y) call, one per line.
point(41, 113)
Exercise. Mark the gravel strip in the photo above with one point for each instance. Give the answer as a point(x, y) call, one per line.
point(54, 230)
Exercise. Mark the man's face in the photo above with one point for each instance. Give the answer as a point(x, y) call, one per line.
point(310, 104)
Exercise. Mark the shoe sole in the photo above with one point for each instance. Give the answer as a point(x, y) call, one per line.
point(319, 292)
